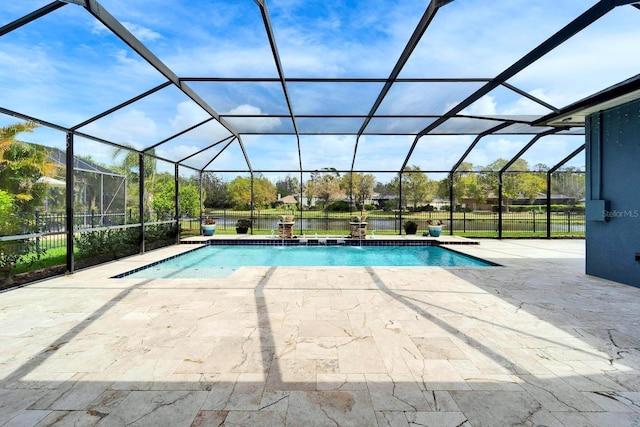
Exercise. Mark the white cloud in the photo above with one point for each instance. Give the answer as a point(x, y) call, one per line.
point(327, 151)
point(132, 127)
point(141, 33)
point(187, 113)
point(513, 104)
point(485, 106)
point(254, 124)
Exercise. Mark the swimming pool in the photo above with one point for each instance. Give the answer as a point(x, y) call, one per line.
point(218, 261)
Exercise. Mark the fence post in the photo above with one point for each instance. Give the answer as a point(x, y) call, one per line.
point(37, 231)
point(93, 215)
point(464, 220)
point(534, 221)
point(568, 221)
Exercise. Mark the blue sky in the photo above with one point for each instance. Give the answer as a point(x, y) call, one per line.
point(66, 67)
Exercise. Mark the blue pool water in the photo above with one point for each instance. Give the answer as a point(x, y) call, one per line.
point(221, 261)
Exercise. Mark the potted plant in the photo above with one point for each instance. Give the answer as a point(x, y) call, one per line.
point(410, 227)
point(242, 226)
point(435, 227)
point(209, 226)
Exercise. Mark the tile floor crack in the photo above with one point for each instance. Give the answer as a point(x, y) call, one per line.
point(274, 403)
point(158, 407)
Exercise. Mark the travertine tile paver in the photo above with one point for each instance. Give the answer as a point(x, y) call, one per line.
point(534, 342)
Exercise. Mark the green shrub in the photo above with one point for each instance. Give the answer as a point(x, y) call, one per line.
point(390, 205)
point(14, 252)
point(243, 223)
point(410, 227)
point(113, 243)
point(160, 235)
point(338, 206)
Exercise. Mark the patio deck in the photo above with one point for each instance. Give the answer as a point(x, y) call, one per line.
point(534, 342)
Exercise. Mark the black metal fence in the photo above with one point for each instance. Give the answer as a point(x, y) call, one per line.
point(50, 231)
point(486, 224)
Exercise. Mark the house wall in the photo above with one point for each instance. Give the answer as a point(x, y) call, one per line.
point(613, 194)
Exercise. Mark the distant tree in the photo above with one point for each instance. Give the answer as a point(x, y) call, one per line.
point(467, 184)
point(417, 188)
point(541, 167)
point(215, 192)
point(240, 192)
point(162, 202)
point(21, 167)
point(569, 181)
point(384, 188)
point(514, 183)
point(130, 168)
point(264, 192)
point(326, 187)
point(530, 185)
point(361, 186)
point(189, 205)
point(12, 223)
point(21, 193)
point(288, 185)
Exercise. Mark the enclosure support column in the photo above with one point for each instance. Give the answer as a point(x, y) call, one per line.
point(251, 213)
point(200, 211)
point(549, 204)
point(451, 203)
point(500, 205)
point(549, 173)
point(69, 203)
point(300, 202)
point(176, 203)
point(102, 212)
point(141, 200)
point(400, 202)
point(125, 204)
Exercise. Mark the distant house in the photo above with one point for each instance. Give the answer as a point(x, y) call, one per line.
point(289, 201)
point(541, 199)
point(439, 204)
point(382, 199)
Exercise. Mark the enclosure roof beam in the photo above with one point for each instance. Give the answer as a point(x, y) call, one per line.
point(337, 79)
point(44, 10)
point(527, 146)
point(124, 104)
point(28, 118)
point(316, 170)
point(102, 15)
point(418, 32)
point(219, 153)
point(566, 159)
point(531, 97)
point(205, 148)
point(182, 132)
point(276, 57)
point(594, 13)
point(476, 141)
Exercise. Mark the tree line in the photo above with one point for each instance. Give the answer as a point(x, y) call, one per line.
point(326, 187)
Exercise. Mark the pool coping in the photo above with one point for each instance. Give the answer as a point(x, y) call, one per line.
point(329, 240)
